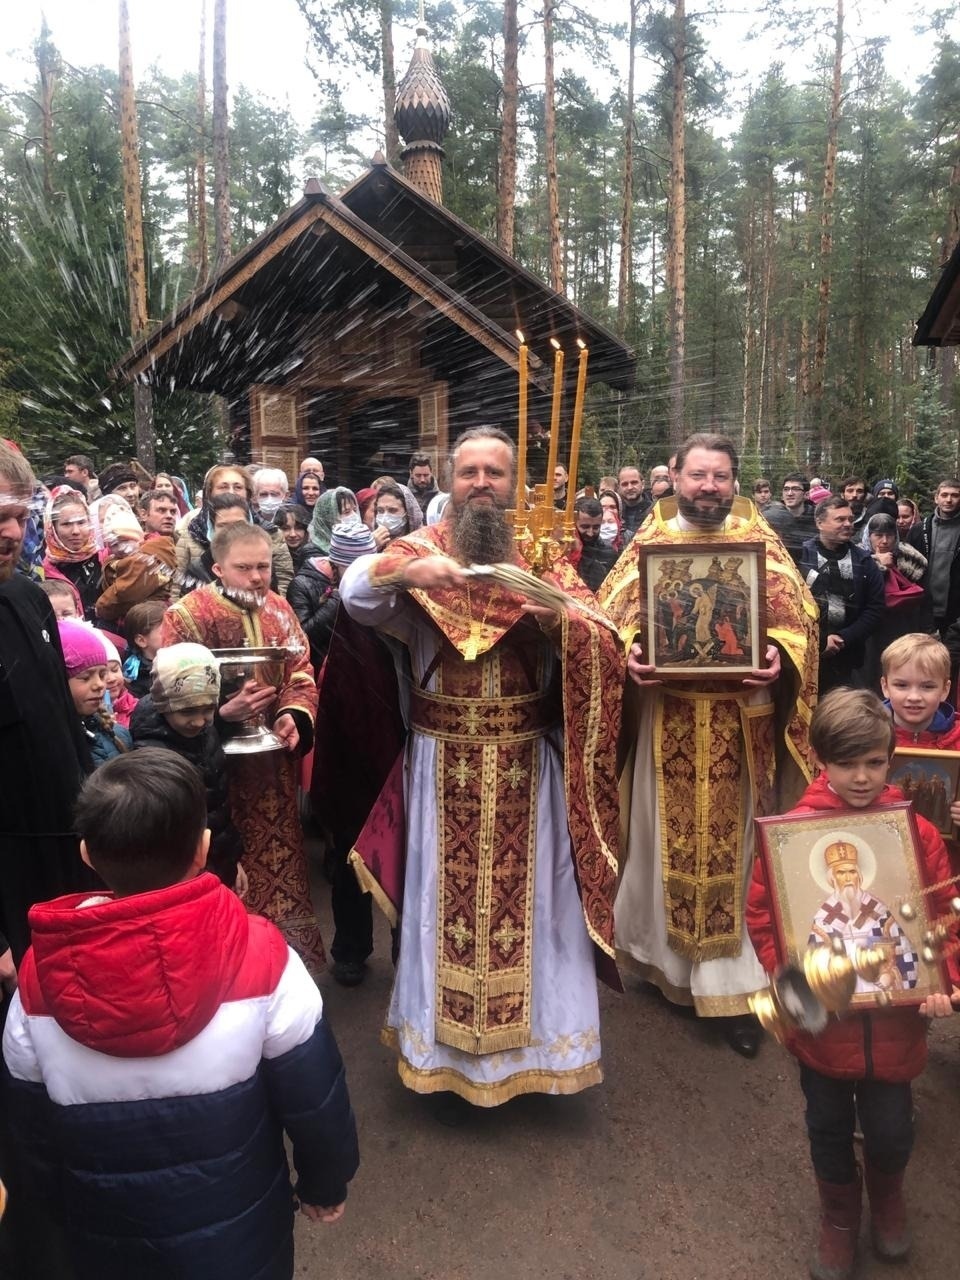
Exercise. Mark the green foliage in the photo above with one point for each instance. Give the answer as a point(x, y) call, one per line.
point(929, 454)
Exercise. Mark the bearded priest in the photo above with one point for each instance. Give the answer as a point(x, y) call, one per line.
point(493, 844)
point(702, 757)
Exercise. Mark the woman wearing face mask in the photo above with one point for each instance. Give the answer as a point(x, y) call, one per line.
point(71, 550)
point(397, 511)
point(336, 506)
point(611, 527)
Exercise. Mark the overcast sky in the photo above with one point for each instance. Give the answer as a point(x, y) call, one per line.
point(267, 40)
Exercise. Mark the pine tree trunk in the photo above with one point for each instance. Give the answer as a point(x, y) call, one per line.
point(625, 283)
point(763, 397)
point(48, 68)
point(221, 155)
point(390, 135)
point(507, 196)
point(201, 157)
point(748, 325)
point(826, 233)
point(678, 226)
point(133, 237)
point(550, 146)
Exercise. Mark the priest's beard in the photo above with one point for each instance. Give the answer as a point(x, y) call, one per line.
point(704, 519)
point(481, 534)
point(851, 898)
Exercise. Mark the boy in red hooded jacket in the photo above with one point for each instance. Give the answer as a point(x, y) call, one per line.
point(863, 1063)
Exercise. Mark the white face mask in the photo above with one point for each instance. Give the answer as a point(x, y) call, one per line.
point(393, 524)
point(269, 506)
point(608, 534)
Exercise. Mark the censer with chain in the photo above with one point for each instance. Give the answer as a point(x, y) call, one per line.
point(804, 998)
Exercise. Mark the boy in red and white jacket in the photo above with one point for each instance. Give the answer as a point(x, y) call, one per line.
point(864, 1061)
point(160, 1044)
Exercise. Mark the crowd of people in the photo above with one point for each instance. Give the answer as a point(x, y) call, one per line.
point(518, 734)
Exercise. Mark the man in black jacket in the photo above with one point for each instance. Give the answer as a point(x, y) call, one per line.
point(595, 560)
point(793, 516)
point(848, 588)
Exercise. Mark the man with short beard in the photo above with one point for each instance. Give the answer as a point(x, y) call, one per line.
point(508, 790)
point(707, 754)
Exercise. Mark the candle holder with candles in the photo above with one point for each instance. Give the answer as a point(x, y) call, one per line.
point(535, 527)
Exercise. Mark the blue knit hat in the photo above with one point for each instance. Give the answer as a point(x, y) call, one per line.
point(350, 541)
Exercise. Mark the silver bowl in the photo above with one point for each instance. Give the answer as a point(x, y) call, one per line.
point(237, 666)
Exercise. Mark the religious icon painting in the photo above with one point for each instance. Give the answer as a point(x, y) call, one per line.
point(854, 879)
point(931, 780)
point(703, 608)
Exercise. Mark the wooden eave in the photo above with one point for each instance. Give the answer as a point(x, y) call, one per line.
point(939, 326)
point(611, 360)
point(313, 209)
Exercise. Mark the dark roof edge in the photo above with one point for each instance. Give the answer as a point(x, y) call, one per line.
point(949, 278)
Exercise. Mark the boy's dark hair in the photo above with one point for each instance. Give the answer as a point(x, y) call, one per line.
point(847, 723)
point(141, 619)
point(796, 477)
point(588, 507)
point(142, 816)
point(226, 502)
point(851, 479)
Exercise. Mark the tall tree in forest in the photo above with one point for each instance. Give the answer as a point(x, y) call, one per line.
point(345, 31)
point(826, 235)
point(49, 67)
point(507, 194)
point(625, 283)
point(201, 161)
point(550, 150)
point(677, 251)
point(221, 158)
point(133, 238)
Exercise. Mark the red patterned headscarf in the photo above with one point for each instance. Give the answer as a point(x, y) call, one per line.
point(57, 552)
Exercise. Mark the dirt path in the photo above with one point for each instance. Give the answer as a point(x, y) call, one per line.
point(688, 1163)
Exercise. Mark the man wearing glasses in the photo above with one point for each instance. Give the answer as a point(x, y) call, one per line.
point(793, 516)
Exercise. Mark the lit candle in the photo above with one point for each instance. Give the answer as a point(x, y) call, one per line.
point(555, 415)
point(575, 432)
point(522, 431)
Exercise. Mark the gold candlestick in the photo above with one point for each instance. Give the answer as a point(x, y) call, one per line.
point(575, 431)
point(555, 413)
point(522, 431)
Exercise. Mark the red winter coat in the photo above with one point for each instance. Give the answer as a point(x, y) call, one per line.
point(888, 1044)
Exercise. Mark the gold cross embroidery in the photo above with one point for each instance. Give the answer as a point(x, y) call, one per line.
point(459, 934)
point(506, 936)
point(470, 720)
point(463, 773)
point(515, 774)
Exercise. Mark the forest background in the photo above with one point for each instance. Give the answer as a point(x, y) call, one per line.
point(766, 266)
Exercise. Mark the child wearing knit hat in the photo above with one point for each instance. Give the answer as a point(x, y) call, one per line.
point(85, 658)
point(179, 714)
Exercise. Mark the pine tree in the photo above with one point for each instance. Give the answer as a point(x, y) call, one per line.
point(929, 455)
